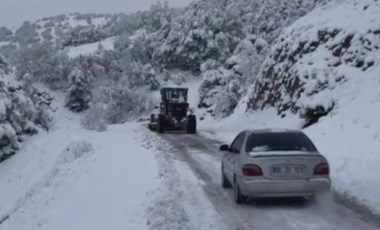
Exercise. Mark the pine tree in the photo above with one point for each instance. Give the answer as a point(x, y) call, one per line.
point(79, 95)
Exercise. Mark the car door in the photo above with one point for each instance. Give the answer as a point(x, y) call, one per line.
point(233, 155)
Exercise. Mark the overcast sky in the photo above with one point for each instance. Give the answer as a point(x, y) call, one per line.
point(14, 12)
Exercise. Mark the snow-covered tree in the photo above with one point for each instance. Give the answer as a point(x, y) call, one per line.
point(22, 112)
point(203, 31)
point(3, 65)
point(120, 103)
point(158, 17)
point(79, 93)
point(5, 34)
point(27, 34)
point(223, 87)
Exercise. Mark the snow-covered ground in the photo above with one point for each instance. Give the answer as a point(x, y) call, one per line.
point(91, 48)
point(123, 178)
point(4, 43)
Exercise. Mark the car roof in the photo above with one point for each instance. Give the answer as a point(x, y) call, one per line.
point(275, 130)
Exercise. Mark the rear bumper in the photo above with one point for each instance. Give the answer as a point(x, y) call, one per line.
point(283, 188)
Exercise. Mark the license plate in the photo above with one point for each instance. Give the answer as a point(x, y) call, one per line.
point(288, 170)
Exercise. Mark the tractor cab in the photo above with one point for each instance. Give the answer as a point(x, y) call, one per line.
point(174, 95)
point(174, 103)
point(174, 110)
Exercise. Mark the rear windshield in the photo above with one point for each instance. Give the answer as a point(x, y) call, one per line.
point(268, 142)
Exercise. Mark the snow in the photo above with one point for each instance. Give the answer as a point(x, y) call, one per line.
point(5, 43)
point(265, 151)
point(98, 21)
point(180, 202)
point(124, 178)
point(74, 22)
point(86, 177)
point(90, 48)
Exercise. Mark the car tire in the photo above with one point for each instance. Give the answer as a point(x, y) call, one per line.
point(239, 197)
point(225, 182)
point(191, 124)
point(161, 124)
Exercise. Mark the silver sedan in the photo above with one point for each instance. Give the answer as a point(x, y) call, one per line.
point(274, 163)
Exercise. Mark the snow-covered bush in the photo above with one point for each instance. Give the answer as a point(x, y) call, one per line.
point(317, 55)
point(121, 103)
point(22, 110)
point(96, 118)
point(76, 150)
point(79, 93)
point(213, 82)
point(8, 141)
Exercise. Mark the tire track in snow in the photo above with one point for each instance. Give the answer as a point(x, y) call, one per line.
point(177, 204)
point(74, 151)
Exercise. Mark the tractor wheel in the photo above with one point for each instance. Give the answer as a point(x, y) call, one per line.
point(161, 123)
point(191, 124)
point(152, 118)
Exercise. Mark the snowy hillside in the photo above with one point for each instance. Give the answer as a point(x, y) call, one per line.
point(325, 66)
point(61, 30)
point(317, 55)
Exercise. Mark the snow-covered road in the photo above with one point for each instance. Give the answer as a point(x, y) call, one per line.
point(131, 178)
point(203, 157)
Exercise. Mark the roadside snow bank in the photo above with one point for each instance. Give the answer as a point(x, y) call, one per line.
point(180, 202)
point(71, 178)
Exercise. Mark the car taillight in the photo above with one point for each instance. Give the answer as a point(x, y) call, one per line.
point(322, 169)
point(252, 170)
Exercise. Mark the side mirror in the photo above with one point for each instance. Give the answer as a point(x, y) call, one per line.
point(224, 148)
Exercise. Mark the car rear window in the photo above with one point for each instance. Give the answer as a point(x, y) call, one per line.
point(285, 141)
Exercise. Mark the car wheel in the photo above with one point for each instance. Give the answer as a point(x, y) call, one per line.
point(225, 182)
point(239, 198)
